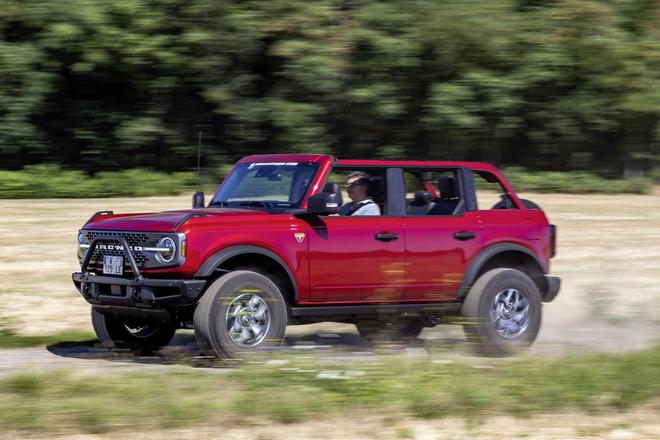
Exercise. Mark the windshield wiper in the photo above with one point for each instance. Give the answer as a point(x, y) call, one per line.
point(258, 203)
point(219, 203)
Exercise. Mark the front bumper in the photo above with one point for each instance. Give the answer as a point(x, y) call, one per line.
point(131, 292)
point(137, 297)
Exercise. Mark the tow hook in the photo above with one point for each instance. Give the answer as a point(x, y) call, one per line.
point(146, 295)
point(135, 293)
point(85, 290)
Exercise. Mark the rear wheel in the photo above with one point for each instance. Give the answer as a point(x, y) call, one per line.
point(142, 337)
point(503, 311)
point(241, 312)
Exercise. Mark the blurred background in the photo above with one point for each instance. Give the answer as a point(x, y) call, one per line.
point(107, 99)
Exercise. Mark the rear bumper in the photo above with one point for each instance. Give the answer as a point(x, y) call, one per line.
point(137, 293)
point(552, 288)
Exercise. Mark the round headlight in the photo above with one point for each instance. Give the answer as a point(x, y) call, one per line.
point(168, 255)
point(81, 240)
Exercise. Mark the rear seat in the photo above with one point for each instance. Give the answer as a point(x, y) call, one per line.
point(449, 199)
point(422, 203)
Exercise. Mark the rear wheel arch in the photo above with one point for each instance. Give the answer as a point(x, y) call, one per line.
point(504, 255)
point(254, 258)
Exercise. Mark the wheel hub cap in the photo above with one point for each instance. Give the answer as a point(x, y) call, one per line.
point(510, 313)
point(247, 320)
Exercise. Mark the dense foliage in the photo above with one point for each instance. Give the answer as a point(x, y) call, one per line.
point(555, 85)
point(51, 181)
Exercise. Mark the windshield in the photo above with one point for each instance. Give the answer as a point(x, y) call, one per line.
point(266, 185)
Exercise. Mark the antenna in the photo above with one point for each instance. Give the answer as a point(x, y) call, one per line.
point(199, 155)
point(198, 197)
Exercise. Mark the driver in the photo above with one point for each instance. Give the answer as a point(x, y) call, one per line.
point(357, 185)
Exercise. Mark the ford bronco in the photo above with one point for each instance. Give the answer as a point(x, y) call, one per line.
point(269, 250)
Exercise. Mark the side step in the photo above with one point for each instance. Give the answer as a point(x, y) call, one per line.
point(377, 309)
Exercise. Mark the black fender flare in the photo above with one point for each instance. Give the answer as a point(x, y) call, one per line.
point(215, 260)
point(482, 258)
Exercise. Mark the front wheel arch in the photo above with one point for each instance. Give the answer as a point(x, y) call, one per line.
point(254, 258)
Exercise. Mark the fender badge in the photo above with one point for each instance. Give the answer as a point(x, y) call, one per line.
point(300, 236)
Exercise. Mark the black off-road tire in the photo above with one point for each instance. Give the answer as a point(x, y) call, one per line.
point(211, 315)
point(147, 337)
point(390, 330)
point(481, 314)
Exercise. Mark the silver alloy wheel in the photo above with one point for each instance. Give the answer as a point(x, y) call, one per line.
point(510, 313)
point(248, 320)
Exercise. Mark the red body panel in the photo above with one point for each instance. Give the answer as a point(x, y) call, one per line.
point(525, 227)
point(157, 221)
point(339, 260)
point(435, 260)
point(347, 263)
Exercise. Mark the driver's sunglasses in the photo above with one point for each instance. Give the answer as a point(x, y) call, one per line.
point(356, 183)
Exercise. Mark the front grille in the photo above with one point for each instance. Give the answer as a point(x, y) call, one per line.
point(132, 238)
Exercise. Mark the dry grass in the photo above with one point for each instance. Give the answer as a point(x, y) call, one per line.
point(39, 253)
point(639, 424)
point(608, 259)
point(609, 249)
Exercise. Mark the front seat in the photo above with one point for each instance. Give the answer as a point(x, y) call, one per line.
point(449, 198)
point(376, 191)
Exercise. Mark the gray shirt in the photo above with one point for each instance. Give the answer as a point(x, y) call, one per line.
point(364, 207)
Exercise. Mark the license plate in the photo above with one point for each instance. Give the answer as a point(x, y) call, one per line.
point(113, 265)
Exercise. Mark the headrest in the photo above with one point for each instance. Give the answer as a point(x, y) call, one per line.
point(423, 197)
point(447, 188)
point(376, 186)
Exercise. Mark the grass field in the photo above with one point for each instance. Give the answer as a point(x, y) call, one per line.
point(393, 391)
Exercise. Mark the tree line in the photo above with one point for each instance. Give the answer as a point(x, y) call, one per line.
point(546, 85)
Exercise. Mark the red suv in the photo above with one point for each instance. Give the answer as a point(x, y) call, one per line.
point(270, 250)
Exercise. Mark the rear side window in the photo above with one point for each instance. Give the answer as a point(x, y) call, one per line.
point(432, 192)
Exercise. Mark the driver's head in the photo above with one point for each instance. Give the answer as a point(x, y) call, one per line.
point(357, 185)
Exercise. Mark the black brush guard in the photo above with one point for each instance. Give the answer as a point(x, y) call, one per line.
point(135, 296)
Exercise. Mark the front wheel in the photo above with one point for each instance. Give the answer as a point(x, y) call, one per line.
point(239, 313)
point(141, 337)
point(503, 312)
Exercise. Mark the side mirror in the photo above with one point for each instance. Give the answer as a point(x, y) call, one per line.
point(323, 203)
point(198, 200)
